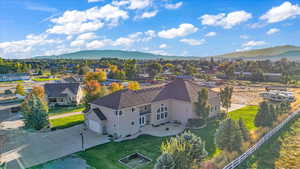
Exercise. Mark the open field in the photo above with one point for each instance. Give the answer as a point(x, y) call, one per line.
point(65, 122)
point(281, 152)
point(247, 113)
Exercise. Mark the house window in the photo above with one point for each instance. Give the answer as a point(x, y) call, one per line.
point(162, 112)
point(119, 113)
point(132, 123)
point(132, 110)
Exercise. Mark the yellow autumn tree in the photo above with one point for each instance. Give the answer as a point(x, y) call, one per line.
point(98, 76)
point(113, 68)
point(20, 89)
point(134, 85)
point(116, 87)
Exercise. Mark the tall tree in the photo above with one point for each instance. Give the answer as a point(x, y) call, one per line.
point(20, 89)
point(244, 130)
point(202, 107)
point(94, 90)
point(130, 69)
point(35, 111)
point(228, 136)
point(225, 96)
point(116, 87)
point(98, 76)
point(265, 115)
point(185, 149)
point(153, 69)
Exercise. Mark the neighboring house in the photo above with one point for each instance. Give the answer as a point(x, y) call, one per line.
point(73, 79)
point(14, 77)
point(125, 112)
point(63, 94)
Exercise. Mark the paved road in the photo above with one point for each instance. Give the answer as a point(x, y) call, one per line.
point(33, 148)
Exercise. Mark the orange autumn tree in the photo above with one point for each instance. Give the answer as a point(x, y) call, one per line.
point(38, 91)
point(98, 76)
point(116, 87)
point(134, 85)
point(94, 90)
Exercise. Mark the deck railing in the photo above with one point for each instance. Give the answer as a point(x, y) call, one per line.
point(233, 164)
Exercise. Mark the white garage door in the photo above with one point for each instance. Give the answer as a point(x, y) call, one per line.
point(94, 126)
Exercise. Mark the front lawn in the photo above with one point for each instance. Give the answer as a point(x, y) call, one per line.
point(247, 113)
point(65, 122)
point(63, 110)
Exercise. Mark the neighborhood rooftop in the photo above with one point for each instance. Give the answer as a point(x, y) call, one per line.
point(57, 89)
point(179, 89)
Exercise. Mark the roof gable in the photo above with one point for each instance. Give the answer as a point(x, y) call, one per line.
point(61, 89)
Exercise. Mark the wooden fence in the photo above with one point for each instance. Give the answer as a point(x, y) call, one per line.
point(233, 164)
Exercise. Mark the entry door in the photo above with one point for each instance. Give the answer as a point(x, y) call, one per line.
point(142, 120)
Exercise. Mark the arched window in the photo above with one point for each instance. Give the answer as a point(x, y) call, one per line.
point(162, 112)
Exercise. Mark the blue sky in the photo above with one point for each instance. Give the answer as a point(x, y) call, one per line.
point(171, 27)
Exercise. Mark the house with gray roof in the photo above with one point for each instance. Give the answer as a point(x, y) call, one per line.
point(126, 112)
point(63, 94)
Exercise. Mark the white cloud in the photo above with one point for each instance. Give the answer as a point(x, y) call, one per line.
point(75, 28)
point(272, 31)
point(227, 21)
point(76, 22)
point(163, 46)
point(87, 36)
point(149, 14)
point(25, 48)
point(77, 43)
point(244, 36)
point(98, 43)
point(174, 6)
point(193, 42)
point(183, 30)
point(123, 41)
point(253, 43)
point(133, 4)
point(280, 13)
point(209, 34)
point(89, 1)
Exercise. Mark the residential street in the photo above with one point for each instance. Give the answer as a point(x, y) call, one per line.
point(33, 148)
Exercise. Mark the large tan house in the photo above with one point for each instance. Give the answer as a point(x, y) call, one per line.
point(63, 94)
point(126, 112)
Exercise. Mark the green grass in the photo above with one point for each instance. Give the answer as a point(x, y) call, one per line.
point(17, 81)
point(106, 156)
point(67, 121)
point(64, 110)
point(44, 79)
point(247, 113)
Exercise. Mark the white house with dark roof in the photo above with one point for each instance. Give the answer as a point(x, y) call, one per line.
point(63, 94)
point(126, 112)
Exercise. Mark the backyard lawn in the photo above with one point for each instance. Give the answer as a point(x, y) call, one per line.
point(63, 110)
point(247, 113)
point(65, 122)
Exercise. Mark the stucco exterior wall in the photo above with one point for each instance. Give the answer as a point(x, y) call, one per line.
point(181, 111)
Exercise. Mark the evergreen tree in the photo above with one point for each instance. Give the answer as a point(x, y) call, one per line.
point(35, 112)
point(225, 96)
point(265, 116)
point(228, 136)
point(165, 161)
point(244, 130)
point(201, 106)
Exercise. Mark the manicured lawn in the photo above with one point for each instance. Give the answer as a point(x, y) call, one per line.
point(63, 110)
point(44, 79)
point(67, 121)
point(247, 113)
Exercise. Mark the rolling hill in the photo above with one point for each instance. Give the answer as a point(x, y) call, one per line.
point(273, 53)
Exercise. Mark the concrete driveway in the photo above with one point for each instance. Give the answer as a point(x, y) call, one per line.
point(25, 149)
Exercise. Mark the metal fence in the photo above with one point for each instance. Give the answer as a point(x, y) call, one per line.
point(233, 164)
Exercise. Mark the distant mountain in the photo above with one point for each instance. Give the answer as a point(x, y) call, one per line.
point(273, 53)
point(97, 54)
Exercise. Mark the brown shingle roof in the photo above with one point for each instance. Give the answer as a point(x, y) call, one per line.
point(179, 89)
point(56, 89)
